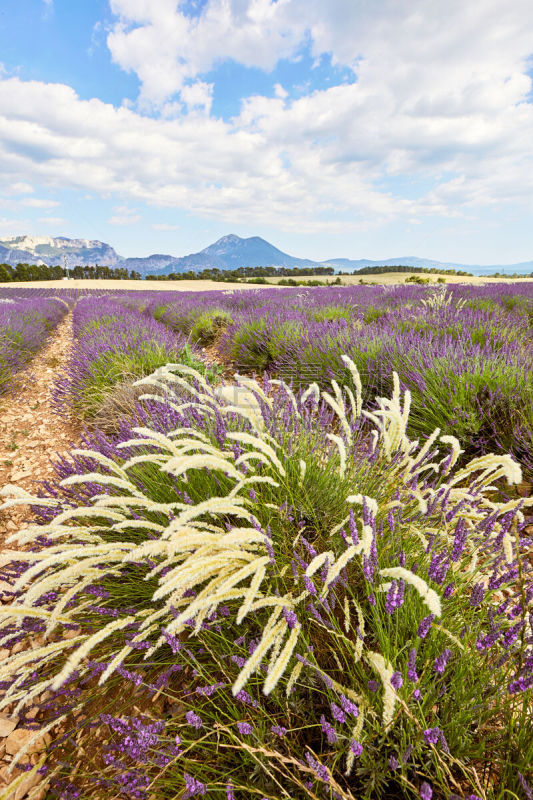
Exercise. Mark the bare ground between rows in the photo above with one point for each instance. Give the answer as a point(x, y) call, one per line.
point(31, 435)
point(31, 431)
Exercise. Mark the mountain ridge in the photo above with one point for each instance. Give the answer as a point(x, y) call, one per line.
point(228, 252)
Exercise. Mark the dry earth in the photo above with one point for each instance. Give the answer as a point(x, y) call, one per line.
point(31, 433)
point(203, 286)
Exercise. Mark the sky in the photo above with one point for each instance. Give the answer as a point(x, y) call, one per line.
point(331, 128)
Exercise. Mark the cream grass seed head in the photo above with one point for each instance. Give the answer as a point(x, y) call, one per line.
point(214, 551)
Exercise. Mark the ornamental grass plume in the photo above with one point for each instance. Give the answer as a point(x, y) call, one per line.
point(197, 561)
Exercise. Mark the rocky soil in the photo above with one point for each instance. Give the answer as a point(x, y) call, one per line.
point(31, 435)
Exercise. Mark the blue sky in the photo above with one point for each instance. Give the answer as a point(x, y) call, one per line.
point(355, 129)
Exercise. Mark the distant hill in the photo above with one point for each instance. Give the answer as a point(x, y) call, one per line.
point(59, 250)
point(229, 252)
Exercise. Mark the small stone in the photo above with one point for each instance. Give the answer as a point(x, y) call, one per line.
point(7, 725)
point(23, 788)
point(41, 794)
point(71, 633)
point(18, 648)
point(17, 476)
point(19, 738)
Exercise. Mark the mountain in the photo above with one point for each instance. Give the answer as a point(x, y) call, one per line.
point(229, 252)
point(59, 250)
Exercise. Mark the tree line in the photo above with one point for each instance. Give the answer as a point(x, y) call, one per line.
point(404, 268)
point(234, 275)
point(41, 272)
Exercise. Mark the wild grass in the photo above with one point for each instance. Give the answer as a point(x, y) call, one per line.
point(323, 607)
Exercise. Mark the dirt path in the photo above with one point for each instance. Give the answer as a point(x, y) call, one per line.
point(31, 432)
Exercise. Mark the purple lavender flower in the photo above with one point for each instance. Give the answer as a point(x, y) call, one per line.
point(207, 691)
point(172, 640)
point(337, 713)
point(441, 661)
point(230, 795)
point(460, 536)
point(510, 636)
point(373, 685)
point(246, 698)
point(356, 748)
point(348, 706)
point(417, 694)
point(431, 735)
point(525, 786)
point(279, 730)
point(319, 769)
point(353, 528)
point(411, 666)
point(521, 684)
point(487, 641)
point(193, 786)
point(368, 569)
point(394, 763)
point(328, 730)
point(193, 720)
point(244, 728)
point(425, 625)
point(395, 596)
point(396, 680)
point(426, 792)
point(438, 568)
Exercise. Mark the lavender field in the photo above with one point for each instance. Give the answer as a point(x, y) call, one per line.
point(291, 556)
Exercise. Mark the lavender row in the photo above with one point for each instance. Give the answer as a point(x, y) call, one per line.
point(24, 327)
point(113, 347)
point(464, 353)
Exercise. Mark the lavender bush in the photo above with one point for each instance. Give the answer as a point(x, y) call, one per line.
point(113, 345)
point(302, 601)
point(24, 327)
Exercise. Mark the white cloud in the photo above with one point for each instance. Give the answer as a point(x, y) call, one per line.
point(168, 48)
point(11, 227)
point(441, 97)
point(37, 202)
point(198, 95)
point(18, 188)
point(52, 220)
point(123, 215)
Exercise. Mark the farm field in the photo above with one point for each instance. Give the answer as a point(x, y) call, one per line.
point(198, 286)
point(277, 543)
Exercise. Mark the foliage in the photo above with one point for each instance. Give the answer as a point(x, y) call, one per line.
point(329, 608)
